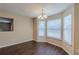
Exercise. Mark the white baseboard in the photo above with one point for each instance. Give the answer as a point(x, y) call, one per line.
point(40, 41)
point(55, 44)
point(60, 47)
point(14, 43)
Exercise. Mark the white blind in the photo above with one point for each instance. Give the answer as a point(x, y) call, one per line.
point(41, 28)
point(54, 28)
point(67, 29)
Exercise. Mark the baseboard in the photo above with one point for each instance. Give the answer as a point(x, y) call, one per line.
point(60, 47)
point(40, 40)
point(6, 45)
point(54, 44)
point(66, 51)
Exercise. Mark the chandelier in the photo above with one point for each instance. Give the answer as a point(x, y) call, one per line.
point(43, 15)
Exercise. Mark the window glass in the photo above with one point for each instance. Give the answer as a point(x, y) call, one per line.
point(41, 28)
point(67, 29)
point(54, 28)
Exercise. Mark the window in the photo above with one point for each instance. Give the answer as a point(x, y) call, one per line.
point(41, 28)
point(67, 29)
point(54, 28)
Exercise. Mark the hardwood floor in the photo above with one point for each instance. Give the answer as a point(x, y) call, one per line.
point(32, 48)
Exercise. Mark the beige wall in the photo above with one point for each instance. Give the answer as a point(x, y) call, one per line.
point(22, 30)
point(76, 29)
point(34, 29)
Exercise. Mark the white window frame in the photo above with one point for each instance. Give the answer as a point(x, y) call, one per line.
point(38, 28)
point(60, 29)
point(71, 28)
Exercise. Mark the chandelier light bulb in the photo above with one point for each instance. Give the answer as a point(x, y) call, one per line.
point(45, 16)
point(42, 16)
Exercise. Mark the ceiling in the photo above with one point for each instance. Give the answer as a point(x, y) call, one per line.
point(34, 9)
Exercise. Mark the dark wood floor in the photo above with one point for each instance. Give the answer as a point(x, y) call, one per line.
point(32, 48)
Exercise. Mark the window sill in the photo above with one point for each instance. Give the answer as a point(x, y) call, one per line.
point(67, 44)
point(53, 38)
point(41, 36)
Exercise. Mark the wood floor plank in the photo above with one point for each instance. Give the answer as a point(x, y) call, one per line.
point(32, 48)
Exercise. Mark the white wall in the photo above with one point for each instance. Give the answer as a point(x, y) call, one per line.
point(22, 30)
